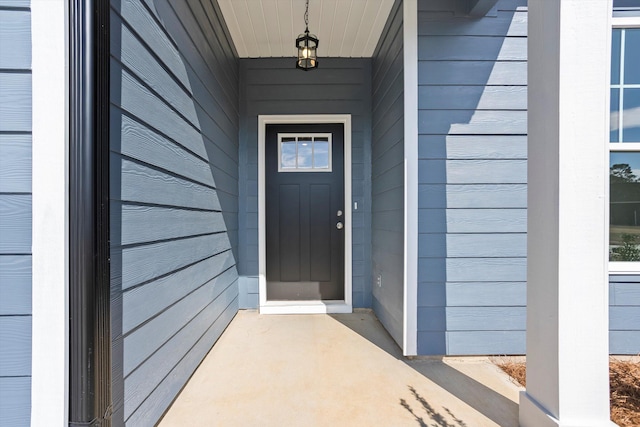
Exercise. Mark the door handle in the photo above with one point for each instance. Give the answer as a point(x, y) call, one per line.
point(339, 225)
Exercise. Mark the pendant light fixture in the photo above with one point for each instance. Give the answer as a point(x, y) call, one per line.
point(307, 45)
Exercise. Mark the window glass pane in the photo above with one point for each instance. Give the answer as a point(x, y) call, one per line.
point(615, 57)
point(305, 153)
point(614, 116)
point(288, 155)
point(631, 116)
point(632, 56)
point(321, 154)
point(624, 207)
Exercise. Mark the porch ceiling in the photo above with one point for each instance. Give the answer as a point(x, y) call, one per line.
point(268, 28)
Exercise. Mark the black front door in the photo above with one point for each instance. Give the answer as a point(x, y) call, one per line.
point(305, 212)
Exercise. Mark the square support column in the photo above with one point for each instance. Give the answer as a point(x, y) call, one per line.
point(567, 279)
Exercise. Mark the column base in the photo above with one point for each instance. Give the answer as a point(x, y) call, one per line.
point(533, 414)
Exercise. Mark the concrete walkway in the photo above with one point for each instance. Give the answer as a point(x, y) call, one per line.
point(336, 370)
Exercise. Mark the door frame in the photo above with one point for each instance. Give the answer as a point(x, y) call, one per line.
point(317, 306)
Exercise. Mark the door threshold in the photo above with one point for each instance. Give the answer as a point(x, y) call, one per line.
point(305, 307)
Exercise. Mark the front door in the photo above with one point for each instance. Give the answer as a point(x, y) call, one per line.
point(304, 172)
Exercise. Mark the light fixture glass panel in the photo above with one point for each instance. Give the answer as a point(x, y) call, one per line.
point(305, 153)
point(632, 56)
point(631, 116)
point(624, 206)
point(288, 154)
point(321, 153)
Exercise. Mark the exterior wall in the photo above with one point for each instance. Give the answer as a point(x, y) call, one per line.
point(174, 197)
point(387, 176)
point(275, 86)
point(473, 171)
point(15, 212)
point(624, 314)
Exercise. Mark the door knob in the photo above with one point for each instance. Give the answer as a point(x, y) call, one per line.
point(339, 226)
point(339, 213)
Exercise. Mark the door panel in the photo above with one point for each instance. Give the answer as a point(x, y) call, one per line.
point(304, 247)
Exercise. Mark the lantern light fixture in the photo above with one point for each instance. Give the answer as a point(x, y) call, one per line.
point(307, 45)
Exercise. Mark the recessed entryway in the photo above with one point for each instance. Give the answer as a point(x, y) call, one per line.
point(305, 214)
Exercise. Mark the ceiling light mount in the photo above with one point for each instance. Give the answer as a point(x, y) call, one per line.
point(307, 45)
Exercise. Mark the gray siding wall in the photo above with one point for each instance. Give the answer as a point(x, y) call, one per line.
point(387, 175)
point(15, 213)
point(624, 314)
point(473, 171)
point(174, 197)
point(275, 86)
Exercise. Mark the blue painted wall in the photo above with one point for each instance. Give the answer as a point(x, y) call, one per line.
point(275, 86)
point(174, 197)
point(473, 171)
point(387, 175)
point(624, 314)
point(15, 213)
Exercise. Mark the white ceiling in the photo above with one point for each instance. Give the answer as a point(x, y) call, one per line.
point(268, 28)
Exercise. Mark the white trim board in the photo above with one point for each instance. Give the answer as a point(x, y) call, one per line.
point(304, 307)
point(410, 49)
point(50, 244)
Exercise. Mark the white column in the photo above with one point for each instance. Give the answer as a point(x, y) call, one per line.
point(567, 283)
point(50, 342)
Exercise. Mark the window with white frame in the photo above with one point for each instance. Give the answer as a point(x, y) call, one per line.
point(304, 152)
point(624, 147)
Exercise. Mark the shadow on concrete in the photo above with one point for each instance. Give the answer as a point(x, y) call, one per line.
point(436, 419)
point(493, 405)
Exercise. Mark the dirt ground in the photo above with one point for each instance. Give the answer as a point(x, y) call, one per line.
point(624, 376)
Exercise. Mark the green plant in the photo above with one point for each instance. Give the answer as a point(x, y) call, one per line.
point(629, 250)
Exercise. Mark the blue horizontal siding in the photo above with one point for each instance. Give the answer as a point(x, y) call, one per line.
point(15, 401)
point(387, 174)
point(174, 197)
point(470, 220)
point(476, 245)
point(467, 147)
point(15, 36)
point(472, 294)
point(15, 213)
point(15, 163)
point(624, 314)
point(472, 217)
point(489, 73)
point(15, 336)
point(471, 48)
point(472, 196)
point(15, 102)
point(486, 171)
point(472, 97)
point(15, 285)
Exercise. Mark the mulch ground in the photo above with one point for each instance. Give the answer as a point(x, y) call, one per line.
point(624, 379)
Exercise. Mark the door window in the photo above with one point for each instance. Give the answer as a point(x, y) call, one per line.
point(304, 152)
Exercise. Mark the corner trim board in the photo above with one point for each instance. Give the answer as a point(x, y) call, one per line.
point(410, 52)
point(304, 307)
point(50, 220)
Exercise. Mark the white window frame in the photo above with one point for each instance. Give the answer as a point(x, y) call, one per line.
point(313, 137)
point(623, 267)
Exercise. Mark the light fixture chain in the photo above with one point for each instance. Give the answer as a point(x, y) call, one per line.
point(306, 17)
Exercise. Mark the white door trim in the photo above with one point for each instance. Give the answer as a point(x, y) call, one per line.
point(304, 307)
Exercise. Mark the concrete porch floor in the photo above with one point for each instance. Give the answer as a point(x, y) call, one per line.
point(336, 370)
